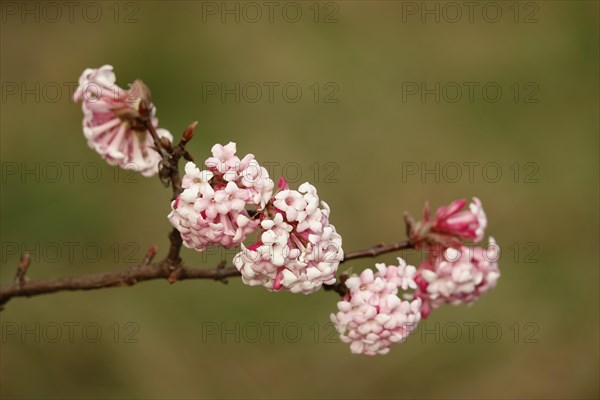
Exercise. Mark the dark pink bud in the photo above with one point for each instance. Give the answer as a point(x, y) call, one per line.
point(282, 184)
point(278, 278)
point(188, 134)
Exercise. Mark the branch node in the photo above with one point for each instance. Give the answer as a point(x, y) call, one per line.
point(219, 275)
point(177, 272)
point(150, 255)
point(21, 275)
point(172, 277)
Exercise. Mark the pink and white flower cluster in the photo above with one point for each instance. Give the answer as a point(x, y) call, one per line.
point(211, 210)
point(110, 121)
point(454, 273)
point(457, 276)
point(298, 249)
point(371, 315)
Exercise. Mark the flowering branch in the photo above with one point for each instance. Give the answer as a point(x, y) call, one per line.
point(149, 270)
point(227, 198)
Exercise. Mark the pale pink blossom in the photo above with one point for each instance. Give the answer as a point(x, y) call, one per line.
point(246, 172)
point(457, 276)
point(256, 179)
point(212, 209)
point(371, 316)
point(292, 203)
point(110, 121)
point(402, 275)
point(225, 163)
point(299, 250)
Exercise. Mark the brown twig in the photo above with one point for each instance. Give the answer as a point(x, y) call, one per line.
point(163, 270)
point(129, 277)
point(169, 172)
point(378, 249)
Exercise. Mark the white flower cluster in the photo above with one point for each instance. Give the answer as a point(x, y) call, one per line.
point(299, 250)
point(211, 210)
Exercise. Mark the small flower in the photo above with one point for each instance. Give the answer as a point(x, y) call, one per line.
point(292, 203)
point(211, 210)
point(457, 276)
point(256, 179)
point(299, 250)
point(401, 275)
point(371, 316)
point(223, 160)
point(111, 122)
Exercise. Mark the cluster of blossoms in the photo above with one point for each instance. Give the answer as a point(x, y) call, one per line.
point(211, 210)
point(297, 249)
point(371, 316)
point(111, 121)
point(457, 276)
point(454, 273)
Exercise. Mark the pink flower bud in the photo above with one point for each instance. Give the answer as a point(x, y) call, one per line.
point(465, 224)
point(451, 224)
point(188, 134)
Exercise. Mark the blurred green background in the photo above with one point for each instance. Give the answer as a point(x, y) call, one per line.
point(162, 341)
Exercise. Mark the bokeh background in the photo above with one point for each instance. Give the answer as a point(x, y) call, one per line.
point(535, 336)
